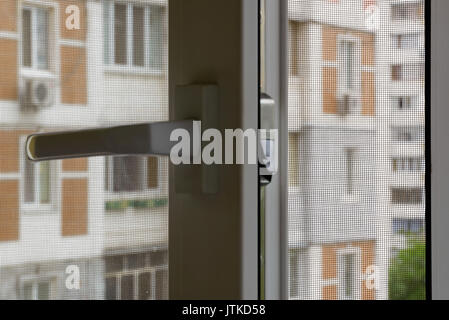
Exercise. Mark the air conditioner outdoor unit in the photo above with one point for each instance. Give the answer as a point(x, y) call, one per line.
point(37, 93)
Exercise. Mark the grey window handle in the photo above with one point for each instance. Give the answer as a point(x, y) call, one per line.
point(139, 139)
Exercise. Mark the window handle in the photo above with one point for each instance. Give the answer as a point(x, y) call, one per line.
point(139, 139)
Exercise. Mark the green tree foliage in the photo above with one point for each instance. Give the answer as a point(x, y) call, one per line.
point(407, 274)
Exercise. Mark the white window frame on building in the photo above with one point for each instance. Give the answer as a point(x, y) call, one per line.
point(404, 102)
point(407, 196)
point(356, 277)
point(407, 134)
point(407, 41)
point(151, 48)
point(348, 91)
point(51, 67)
point(34, 285)
point(406, 12)
point(147, 267)
point(37, 204)
point(408, 164)
point(144, 190)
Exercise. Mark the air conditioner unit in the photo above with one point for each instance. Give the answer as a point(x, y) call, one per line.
point(36, 93)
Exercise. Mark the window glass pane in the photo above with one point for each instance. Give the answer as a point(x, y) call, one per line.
point(152, 172)
point(44, 182)
point(138, 36)
point(26, 38)
point(156, 34)
point(145, 286)
point(28, 291)
point(356, 99)
point(127, 287)
point(29, 181)
point(128, 174)
point(41, 38)
point(120, 33)
point(43, 291)
point(107, 30)
point(111, 288)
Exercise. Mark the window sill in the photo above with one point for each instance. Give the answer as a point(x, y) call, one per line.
point(130, 70)
point(39, 210)
point(36, 73)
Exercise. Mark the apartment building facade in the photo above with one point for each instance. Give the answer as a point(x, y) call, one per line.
point(332, 165)
point(106, 217)
point(401, 125)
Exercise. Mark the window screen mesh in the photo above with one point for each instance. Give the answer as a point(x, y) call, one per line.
point(356, 149)
point(87, 228)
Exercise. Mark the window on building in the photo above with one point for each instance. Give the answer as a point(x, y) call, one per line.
point(37, 290)
point(131, 174)
point(401, 225)
point(349, 164)
point(137, 276)
point(348, 276)
point(404, 195)
point(408, 164)
point(347, 65)
point(293, 159)
point(403, 102)
point(407, 72)
point(37, 179)
point(407, 133)
point(407, 11)
point(298, 274)
point(133, 34)
point(35, 38)
point(407, 41)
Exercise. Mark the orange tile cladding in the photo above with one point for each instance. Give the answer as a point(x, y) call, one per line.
point(330, 292)
point(75, 165)
point(329, 260)
point(329, 46)
point(329, 90)
point(368, 94)
point(73, 34)
point(9, 157)
point(9, 210)
point(8, 69)
point(8, 13)
point(74, 207)
point(73, 75)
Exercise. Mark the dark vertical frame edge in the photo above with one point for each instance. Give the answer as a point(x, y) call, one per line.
point(258, 168)
point(428, 145)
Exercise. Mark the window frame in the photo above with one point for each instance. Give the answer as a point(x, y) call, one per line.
point(110, 194)
point(53, 67)
point(355, 92)
point(37, 206)
point(109, 37)
point(357, 276)
point(34, 281)
point(135, 273)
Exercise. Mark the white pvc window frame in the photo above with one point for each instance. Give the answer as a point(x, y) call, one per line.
point(109, 38)
point(37, 205)
point(144, 193)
